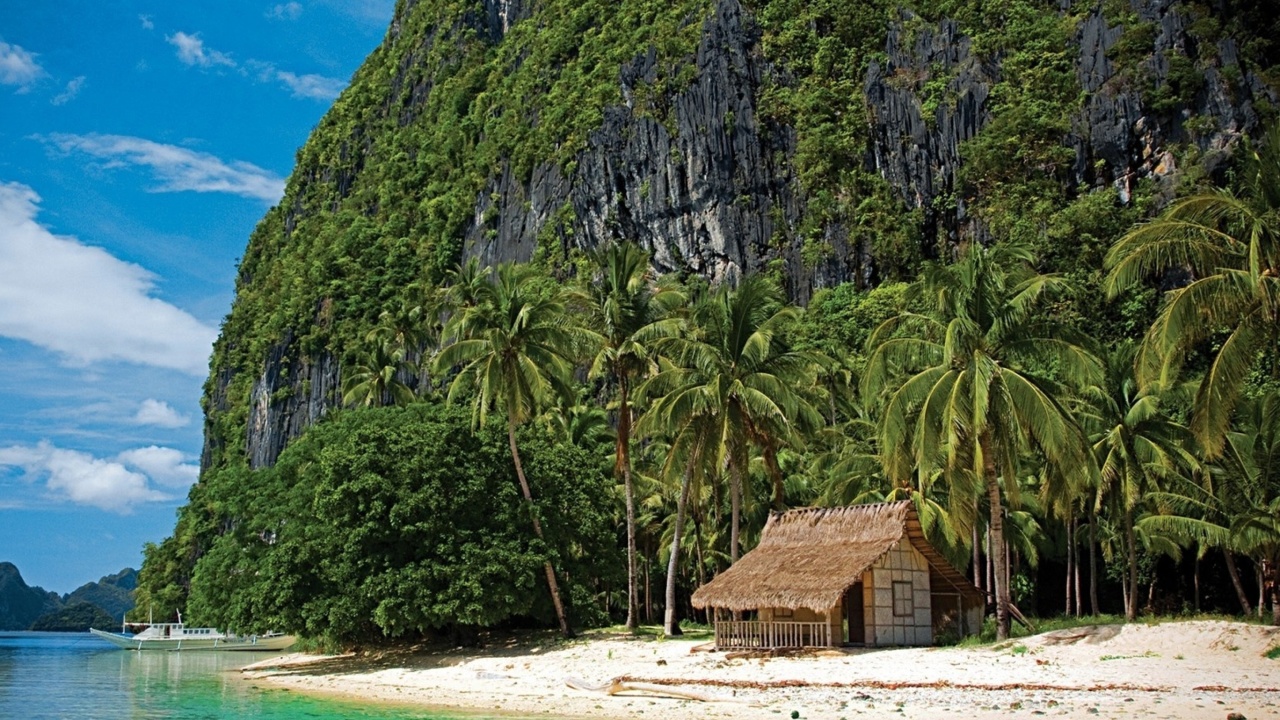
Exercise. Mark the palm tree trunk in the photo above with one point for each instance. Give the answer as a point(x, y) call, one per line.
point(1195, 577)
point(552, 585)
point(700, 568)
point(1076, 552)
point(977, 557)
point(671, 627)
point(1093, 561)
point(1070, 569)
point(991, 576)
point(1131, 549)
point(1275, 591)
point(1262, 589)
point(735, 508)
point(996, 533)
point(648, 586)
point(623, 456)
point(1234, 572)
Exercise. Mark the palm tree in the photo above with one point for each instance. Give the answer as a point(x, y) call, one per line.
point(633, 315)
point(1229, 241)
point(514, 346)
point(373, 380)
point(466, 285)
point(963, 392)
point(692, 454)
point(1236, 506)
point(736, 375)
point(1252, 463)
point(1139, 450)
point(583, 425)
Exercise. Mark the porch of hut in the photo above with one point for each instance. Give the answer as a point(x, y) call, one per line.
point(826, 577)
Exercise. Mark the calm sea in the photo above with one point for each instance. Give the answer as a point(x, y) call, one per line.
point(44, 676)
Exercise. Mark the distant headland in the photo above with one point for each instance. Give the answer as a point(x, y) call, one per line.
point(104, 602)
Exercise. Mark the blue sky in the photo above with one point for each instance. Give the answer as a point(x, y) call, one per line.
point(140, 142)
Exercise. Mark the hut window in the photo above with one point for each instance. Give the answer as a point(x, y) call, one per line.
point(903, 602)
point(783, 612)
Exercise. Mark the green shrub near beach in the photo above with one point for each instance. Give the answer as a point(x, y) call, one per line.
point(402, 522)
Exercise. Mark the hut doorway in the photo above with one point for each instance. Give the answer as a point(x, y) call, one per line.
point(855, 629)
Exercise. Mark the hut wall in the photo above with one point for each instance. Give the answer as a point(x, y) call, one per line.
point(897, 607)
point(973, 617)
point(835, 619)
point(785, 615)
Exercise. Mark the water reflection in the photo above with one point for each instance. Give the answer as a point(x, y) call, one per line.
point(55, 676)
point(63, 675)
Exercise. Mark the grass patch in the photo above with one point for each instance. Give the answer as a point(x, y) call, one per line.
point(1019, 650)
point(1273, 653)
point(692, 631)
point(1147, 654)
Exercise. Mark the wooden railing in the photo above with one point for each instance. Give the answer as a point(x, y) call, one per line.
point(732, 634)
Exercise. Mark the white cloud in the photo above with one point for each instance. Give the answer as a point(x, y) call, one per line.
point(177, 168)
point(81, 478)
point(83, 303)
point(316, 87)
point(285, 11)
point(159, 414)
point(191, 50)
point(18, 67)
point(73, 89)
point(165, 466)
point(146, 22)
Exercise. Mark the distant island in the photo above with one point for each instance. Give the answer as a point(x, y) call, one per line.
point(76, 617)
point(94, 604)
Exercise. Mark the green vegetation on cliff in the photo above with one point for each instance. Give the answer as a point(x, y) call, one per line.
point(20, 604)
point(76, 617)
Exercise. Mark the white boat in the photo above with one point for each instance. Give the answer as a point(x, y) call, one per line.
point(177, 636)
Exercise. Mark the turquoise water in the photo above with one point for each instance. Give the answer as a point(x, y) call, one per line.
point(48, 676)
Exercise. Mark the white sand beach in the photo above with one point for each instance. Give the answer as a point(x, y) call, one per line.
point(1197, 669)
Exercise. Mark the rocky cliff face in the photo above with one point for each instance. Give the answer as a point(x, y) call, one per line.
point(706, 194)
point(1117, 137)
point(710, 184)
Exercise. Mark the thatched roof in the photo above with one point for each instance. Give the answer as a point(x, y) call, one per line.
point(808, 558)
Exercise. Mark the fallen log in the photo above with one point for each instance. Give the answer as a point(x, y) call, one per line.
point(620, 685)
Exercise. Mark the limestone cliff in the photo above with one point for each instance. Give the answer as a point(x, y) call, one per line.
point(527, 129)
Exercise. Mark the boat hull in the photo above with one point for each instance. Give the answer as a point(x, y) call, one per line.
point(259, 643)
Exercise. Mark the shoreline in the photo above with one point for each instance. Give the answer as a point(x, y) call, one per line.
point(1194, 669)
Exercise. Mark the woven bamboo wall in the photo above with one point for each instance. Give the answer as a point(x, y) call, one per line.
point(887, 625)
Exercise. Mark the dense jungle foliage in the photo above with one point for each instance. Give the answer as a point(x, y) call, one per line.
point(1095, 388)
point(387, 521)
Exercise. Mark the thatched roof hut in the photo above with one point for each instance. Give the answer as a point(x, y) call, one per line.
point(811, 558)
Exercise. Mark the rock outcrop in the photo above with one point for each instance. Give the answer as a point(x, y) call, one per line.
point(710, 186)
point(111, 594)
point(20, 604)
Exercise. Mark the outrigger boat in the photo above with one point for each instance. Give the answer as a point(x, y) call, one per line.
point(177, 636)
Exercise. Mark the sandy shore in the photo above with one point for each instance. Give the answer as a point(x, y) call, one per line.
point(1203, 669)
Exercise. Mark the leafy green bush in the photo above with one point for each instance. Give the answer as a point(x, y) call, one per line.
point(402, 521)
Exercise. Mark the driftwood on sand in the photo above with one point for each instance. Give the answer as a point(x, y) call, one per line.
point(621, 685)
